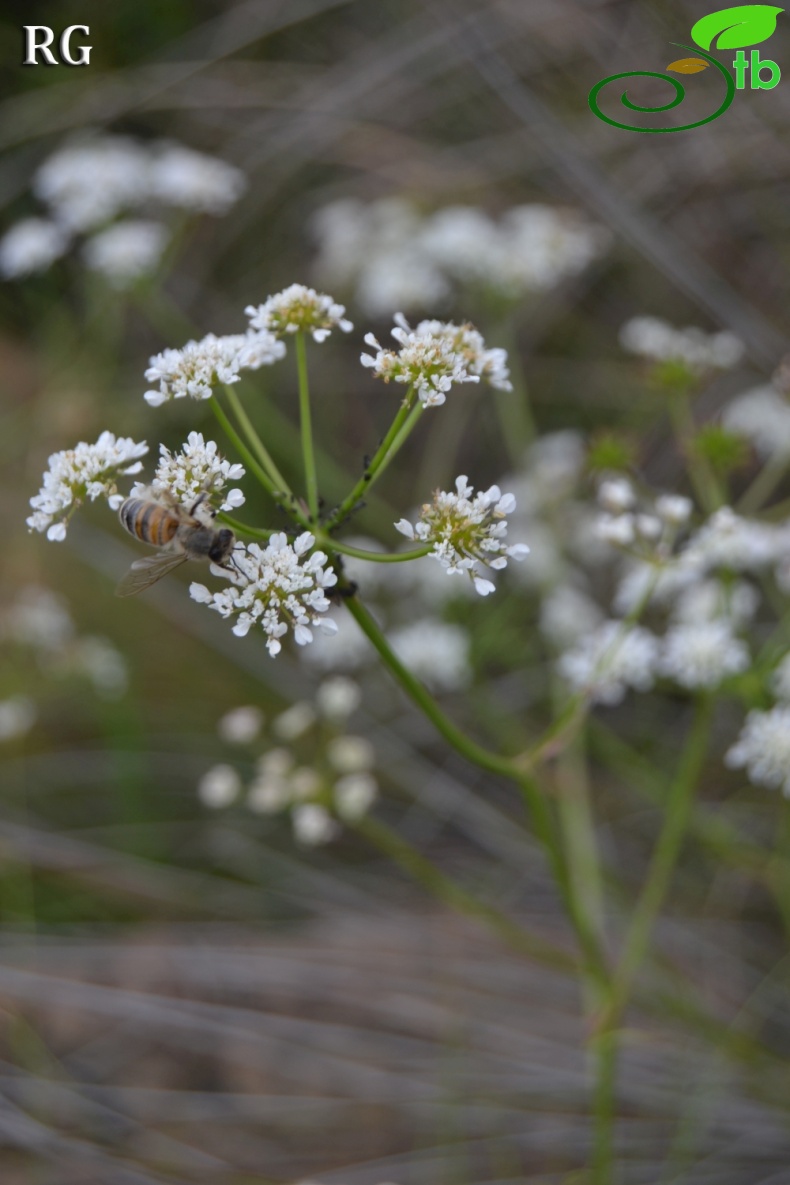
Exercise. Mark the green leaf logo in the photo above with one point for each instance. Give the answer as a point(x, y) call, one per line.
point(748, 24)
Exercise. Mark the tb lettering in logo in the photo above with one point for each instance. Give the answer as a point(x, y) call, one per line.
point(731, 28)
point(39, 38)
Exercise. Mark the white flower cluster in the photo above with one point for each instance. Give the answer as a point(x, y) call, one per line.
point(124, 252)
point(602, 665)
point(88, 183)
point(40, 622)
point(198, 467)
point(652, 531)
point(434, 356)
point(397, 259)
point(87, 471)
point(652, 338)
point(467, 530)
point(436, 651)
point(198, 366)
point(336, 783)
point(762, 416)
point(298, 309)
point(763, 748)
point(275, 587)
point(700, 654)
point(31, 246)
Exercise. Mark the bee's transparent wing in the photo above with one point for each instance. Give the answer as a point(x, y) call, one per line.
point(145, 572)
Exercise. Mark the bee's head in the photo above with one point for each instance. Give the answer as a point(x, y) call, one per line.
point(222, 546)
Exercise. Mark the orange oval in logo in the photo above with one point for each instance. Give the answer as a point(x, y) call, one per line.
point(688, 65)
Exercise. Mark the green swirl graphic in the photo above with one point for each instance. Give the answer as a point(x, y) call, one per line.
point(680, 95)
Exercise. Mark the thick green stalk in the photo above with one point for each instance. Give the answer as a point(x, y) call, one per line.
point(305, 420)
point(376, 466)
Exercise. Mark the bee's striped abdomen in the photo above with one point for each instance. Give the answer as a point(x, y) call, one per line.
point(149, 521)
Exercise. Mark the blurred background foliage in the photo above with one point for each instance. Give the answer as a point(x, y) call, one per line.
point(187, 996)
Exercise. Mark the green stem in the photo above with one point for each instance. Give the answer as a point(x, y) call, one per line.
point(376, 557)
point(376, 466)
point(453, 894)
point(603, 1050)
point(678, 812)
point(255, 442)
point(703, 478)
point(286, 500)
point(604, 1042)
point(401, 437)
point(242, 449)
point(764, 484)
point(494, 763)
point(243, 529)
point(308, 455)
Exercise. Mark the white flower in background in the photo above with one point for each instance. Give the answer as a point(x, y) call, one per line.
point(17, 716)
point(299, 309)
point(270, 791)
point(649, 337)
point(87, 471)
point(728, 541)
point(434, 356)
point(124, 252)
point(701, 654)
point(618, 530)
point(198, 467)
point(347, 649)
point(180, 176)
point(294, 721)
point(241, 725)
point(605, 663)
point(436, 652)
point(37, 618)
point(762, 416)
point(463, 241)
point(194, 369)
point(467, 530)
point(219, 786)
point(349, 754)
point(313, 825)
point(337, 698)
point(616, 495)
point(540, 246)
point(402, 279)
point(398, 258)
point(763, 749)
point(646, 582)
point(101, 662)
point(353, 795)
point(567, 614)
point(87, 183)
point(275, 587)
point(711, 600)
point(674, 509)
point(31, 246)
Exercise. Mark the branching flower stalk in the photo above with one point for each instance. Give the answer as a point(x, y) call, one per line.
point(281, 582)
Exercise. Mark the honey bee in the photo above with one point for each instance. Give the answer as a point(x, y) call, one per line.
point(182, 533)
